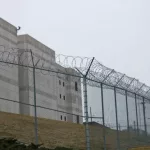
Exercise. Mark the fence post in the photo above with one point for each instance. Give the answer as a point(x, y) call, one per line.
point(86, 114)
point(103, 117)
point(87, 133)
point(127, 111)
point(91, 113)
point(137, 122)
point(134, 125)
point(35, 110)
point(116, 111)
point(145, 125)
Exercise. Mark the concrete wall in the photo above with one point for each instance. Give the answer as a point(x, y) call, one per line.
point(8, 73)
point(45, 86)
point(53, 91)
point(74, 100)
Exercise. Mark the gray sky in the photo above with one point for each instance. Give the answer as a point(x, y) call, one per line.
point(116, 32)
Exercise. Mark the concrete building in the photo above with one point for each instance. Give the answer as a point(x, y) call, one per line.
point(54, 91)
point(8, 73)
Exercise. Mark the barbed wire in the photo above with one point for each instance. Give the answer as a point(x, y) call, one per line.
point(68, 65)
point(99, 73)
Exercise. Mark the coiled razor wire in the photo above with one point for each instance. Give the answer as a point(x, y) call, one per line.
point(76, 67)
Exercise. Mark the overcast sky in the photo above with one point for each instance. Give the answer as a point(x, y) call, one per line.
point(116, 32)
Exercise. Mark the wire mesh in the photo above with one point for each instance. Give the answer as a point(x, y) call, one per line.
point(98, 73)
point(68, 68)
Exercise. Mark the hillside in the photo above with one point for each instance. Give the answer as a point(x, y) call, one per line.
point(54, 133)
point(51, 133)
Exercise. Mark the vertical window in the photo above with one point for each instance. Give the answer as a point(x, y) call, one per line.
point(63, 84)
point(65, 118)
point(61, 117)
point(76, 86)
point(60, 96)
point(77, 119)
point(64, 97)
point(59, 82)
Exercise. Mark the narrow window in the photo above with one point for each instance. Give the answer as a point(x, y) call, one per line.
point(60, 96)
point(64, 97)
point(63, 84)
point(59, 82)
point(65, 118)
point(76, 86)
point(77, 119)
point(61, 117)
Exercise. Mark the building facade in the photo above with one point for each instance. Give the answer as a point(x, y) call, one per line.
point(53, 91)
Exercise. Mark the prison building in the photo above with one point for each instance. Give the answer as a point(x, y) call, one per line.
point(55, 93)
point(8, 74)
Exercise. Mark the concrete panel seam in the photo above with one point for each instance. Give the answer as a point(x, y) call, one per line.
point(7, 39)
point(8, 80)
point(28, 42)
point(38, 91)
point(8, 30)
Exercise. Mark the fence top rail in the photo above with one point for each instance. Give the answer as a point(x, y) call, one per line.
point(74, 66)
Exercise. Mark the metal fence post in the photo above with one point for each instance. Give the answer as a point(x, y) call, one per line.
point(137, 122)
point(87, 133)
point(103, 117)
point(116, 111)
point(86, 114)
point(127, 112)
point(35, 109)
point(91, 113)
point(145, 125)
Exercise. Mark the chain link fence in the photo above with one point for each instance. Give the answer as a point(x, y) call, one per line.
point(115, 106)
point(125, 122)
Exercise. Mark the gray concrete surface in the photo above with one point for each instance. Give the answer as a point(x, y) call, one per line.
point(16, 82)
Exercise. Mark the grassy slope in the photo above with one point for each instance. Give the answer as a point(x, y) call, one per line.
point(51, 133)
point(56, 133)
